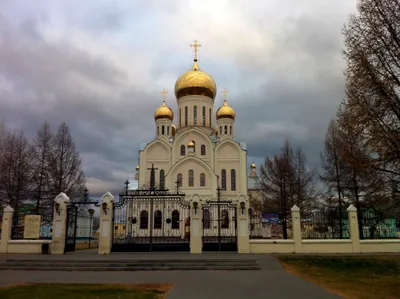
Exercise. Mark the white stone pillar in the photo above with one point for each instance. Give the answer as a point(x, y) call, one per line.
point(243, 239)
point(6, 227)
point(296, 228)
point(106, 223)
point(59, 224)
point(353, 228)
point(196, 225)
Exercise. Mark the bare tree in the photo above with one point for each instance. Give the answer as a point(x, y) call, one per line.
point(372, 39)
point(65, 173)
point(15, 181)
point(42, 152)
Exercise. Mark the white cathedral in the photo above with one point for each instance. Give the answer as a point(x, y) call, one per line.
point(194, 149)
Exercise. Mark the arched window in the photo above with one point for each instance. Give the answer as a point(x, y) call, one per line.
point(191, 178)
point(157, 219)
point(204, 115)
point(195, 115)
point(186, 116)
point(210, 117)
point(162, 130)
point(162, 179)
point(230, 130)
point(206, 219)
point(202, 180)
point(226, 130)
point(182, 150)
point(167, 130)
point(144, 219)
point(203, 150)
point(225, 219)
point(180, 117)
point(158, 130)
point(175, 219)
point(179, 179)
point(223, 179)
point(220, 130)
point(233, 179)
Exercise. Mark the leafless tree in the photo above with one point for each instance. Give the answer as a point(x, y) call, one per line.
point(65, 173)
point(42, 151)
point(16, 178)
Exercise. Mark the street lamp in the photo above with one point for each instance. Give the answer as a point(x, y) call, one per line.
point(91, 212)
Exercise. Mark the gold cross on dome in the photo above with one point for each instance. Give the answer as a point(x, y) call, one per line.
point(195, 45)
point(164, 94)
point(225, 92)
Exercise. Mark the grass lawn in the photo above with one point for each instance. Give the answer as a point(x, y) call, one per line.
point(361, 277)
point(84, 291)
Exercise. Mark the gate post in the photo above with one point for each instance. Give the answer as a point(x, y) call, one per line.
point(196, 230)
point(6, 228)
point(243, 225)
point(59, 224)
point(106, 223)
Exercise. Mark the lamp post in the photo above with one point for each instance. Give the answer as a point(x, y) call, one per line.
point(91, 212)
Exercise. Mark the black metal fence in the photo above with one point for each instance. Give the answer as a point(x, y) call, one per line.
point(325, 225)
point(46, 225)
point(270, 226)
point(380, 224)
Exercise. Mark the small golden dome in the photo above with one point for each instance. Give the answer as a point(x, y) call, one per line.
point(137, 167)
point(164, 112)
point(253, 165)
point(195, 82)
point(173, 130)
point(225, 111)
point(190, 144)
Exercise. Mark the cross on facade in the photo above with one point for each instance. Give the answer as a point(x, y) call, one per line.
point(164, 94)
point(225, 92)
point(195, 45)
point(177, 186)
point(152, 177)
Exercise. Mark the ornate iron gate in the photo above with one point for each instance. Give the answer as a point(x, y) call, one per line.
point(151, 220)
point(70, 234)
point(219, 225)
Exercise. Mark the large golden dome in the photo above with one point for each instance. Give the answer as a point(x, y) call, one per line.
point(164, 112)
point(195, 82)
point(225, 111)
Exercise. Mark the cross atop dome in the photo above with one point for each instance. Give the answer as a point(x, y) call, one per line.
point(195, 45)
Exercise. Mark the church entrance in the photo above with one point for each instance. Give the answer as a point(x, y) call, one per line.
point(151, 220)
point(219, 225)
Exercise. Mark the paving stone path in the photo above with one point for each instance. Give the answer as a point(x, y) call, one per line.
point(271, 282)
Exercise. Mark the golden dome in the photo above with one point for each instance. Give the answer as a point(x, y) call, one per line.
point(173, 130)
point(190, 144)
point(225, 111)
point(253, 165)
point(164, 112)
point(137, 167)
point(195, 82)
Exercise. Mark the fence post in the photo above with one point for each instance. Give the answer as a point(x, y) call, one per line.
point(106, 223)
point(59, 223)
point(196, 230)
point(243, 239)
point(353, 228)
point(296, 228)
point(6, 227)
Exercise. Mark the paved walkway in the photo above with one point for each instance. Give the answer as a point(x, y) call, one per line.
point(271, 282)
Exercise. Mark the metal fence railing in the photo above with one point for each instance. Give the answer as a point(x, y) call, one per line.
point(270, 226)
point(324, 225)
point(45, 226)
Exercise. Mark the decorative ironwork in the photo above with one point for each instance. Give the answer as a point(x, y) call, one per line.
point(269, 225)
point(219, 225)
point(18, 226)
point(380, 224)
point(329, 224)
point(151, 220)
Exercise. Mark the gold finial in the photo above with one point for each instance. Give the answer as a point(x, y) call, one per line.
point(225, 92)
point(164, 94)
point(195, 45)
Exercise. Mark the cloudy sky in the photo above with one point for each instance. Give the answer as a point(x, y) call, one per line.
point(100, 65)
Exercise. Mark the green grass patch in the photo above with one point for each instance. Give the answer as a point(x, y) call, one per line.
point(84, 291)
point(351, 277)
